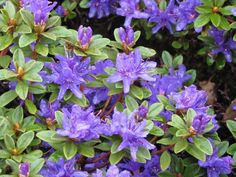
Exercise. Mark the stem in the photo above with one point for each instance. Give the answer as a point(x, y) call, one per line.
point(163, 149)
point(97, 167)
point(104, 156)
point(105, 105)
point(4, 51)
point(118, 99)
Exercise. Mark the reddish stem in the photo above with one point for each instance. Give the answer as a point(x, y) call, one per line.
point(163, 149)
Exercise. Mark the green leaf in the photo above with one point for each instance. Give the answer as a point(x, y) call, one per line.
point(24, 141)
point(232, 149)
point(193, 73)
point(27, 17)
point(37, 89)
point(10, 8)
point(203, 144)
point(53, 21)
point(182, 133)
point(176, 44)
point(201, 20)
point(17, 115)
point(22, 90)
point(9, 143)
point(157, 131)
point(144, 153)
point(146, 52)
point(30, 106)
point(224, 24)
point(6, 74)
point(222, 148)
point(178, 60)
point(180, 145)
point(18, 58)
point(27, 39)
point(131, 103)
point(23, 29)
point(5, 41)
point(215, 19)
point(136, 36)
point(137, 92)
point(4, 154)
point(190, 116)
point(69, 150)
point(116, 157)
point(86, 150)
point(49, 35)
point(36, 165)
point(195, 152)
point(5, 61)
point(177, 122)
point(7, 97)
point(165, 160)
point(167, 58)
point(232, 127)
point(59, 117)
point(155, 109)
point(117, 36)
point(99, 43)
point(41, 49)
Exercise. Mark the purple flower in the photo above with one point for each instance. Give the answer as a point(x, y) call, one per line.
point(130, 9)
point(84, 37)
point(80, 124)
point(190, 98)
point(234, 107)
point(151, 7)
point(222, 45)
point(130, 68)
point(216, 166)
point(200, 122)
point(126, 36)
point(233, 11)
point(62, 168)
point(165, 18)
point(41, 10)
point(24, 169)
point(99, 7)
point(47, 110)
point(60, 10)
point(152, 167)
point(113, 171)
point(69, 73)
point(98, 94)
point(133, 133)
point(186, 13)
point(164, 85)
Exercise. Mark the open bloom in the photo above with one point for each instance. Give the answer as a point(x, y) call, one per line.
point(69, 73)
point(48, 110)
point(133, 133)
point(130, 68)
point(190, 97)
point(40, 9)
point(113, 171)
point(216, 165)
point(99, 7)
point(80, 124)
point(164, 18)
point(186, 13)
point(130, 9)
point(222, 45)
point(62, 168)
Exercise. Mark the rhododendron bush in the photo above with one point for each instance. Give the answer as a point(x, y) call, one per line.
point(117, 88)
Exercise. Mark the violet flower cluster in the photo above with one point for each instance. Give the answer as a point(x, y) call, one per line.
point(129, 68)
point(179, 14)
